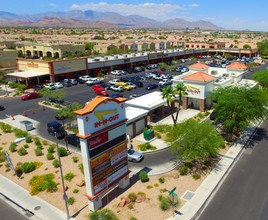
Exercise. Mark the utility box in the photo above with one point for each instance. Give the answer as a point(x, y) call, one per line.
point(26, 125)
point(148, 135)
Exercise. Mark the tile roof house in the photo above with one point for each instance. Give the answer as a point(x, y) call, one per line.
point(199, 77)
point(237, 66)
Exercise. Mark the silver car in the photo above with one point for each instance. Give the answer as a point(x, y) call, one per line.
point(134, 156)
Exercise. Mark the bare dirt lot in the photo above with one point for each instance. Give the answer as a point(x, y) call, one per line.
point(151, 189)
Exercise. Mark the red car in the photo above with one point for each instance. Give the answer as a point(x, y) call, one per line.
point(97, 87)
point(102, 93)
point(31, 95)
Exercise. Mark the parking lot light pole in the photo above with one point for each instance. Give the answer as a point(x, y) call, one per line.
point(65, 197)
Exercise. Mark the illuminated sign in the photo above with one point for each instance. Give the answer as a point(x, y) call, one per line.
point(105, 120)
point(98, 140)
point(192, 89)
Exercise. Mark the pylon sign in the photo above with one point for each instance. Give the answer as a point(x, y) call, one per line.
point(102, 132)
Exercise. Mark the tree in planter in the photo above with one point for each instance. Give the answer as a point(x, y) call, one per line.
point(195, 142)
point(45, 92)
point(103, 214)
point(169, 94)
point(236, 107)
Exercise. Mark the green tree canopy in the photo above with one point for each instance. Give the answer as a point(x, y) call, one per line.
point(195, 142)
point(261, 77)
point(263, 47)
point(236, 107)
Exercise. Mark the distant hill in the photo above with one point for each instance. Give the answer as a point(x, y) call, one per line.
point(89, 18)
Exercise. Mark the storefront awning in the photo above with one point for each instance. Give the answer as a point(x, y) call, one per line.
point(27, 74)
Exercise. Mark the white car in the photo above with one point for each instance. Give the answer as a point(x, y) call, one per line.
point(58, 85)
point(50, 86)
point(114, 81)
point(165, 82)
point(117, 88)
point(133, 155)
point(116, 72)
point(85, 78)
point(133, 86)
point(93, 81)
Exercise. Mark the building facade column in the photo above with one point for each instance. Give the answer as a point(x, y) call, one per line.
point(202, 105)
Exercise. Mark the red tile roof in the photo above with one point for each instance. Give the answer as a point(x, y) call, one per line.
point(198, 66)
point(236, 65)
point(199, 76)
point(90, 107)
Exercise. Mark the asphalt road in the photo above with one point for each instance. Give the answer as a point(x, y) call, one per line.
point(8, 212)
point(244, 193)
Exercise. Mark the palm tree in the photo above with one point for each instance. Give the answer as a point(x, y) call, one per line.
point(170, 93)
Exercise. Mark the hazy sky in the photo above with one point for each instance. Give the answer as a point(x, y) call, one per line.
point(235, 14)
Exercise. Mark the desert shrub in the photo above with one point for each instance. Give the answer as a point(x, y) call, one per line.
point(156, 185)
point(131, 206)
point(132, 197)
point(75, 159)
point(144, 176)
point(142, 193)
point(2, 157)
point(6, 128)
point(81, 167)
point(38, 151)
point(40, 146)
point(70, 200)
point(42, 183)
point(45, 142)
point(28, 167)
point(75, 190)
point(18, 171)
point(183, 170)
point(51, 149)
point(22, 151)
point(157, 135)
point(165, 202)
point(149, 187)
point(69, 176)
point(26, 146)
point(28, 139)
point(163, 190)
point(20, 133)
point(146, 146)
point(12, 146)
point(50, 156)
point(133, 218)
point(161, 180)
point(37, 141)
point(63, 152)
point(38, 164)
point(196, 176)
point(56, 163)
point(102, 214)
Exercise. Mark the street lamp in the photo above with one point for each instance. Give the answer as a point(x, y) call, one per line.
point(65, 197)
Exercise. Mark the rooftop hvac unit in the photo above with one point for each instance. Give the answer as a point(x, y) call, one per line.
point(115, 57)
point(125, 55)
point(105, 58)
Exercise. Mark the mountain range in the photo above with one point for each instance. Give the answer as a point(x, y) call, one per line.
point(93, 19)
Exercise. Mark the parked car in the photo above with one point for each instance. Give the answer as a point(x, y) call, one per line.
point(117, 88)
point(58, 85)
point(56, 100)
point(56, 129)
point(165, 82)
point(134, 156)
point(138, 83)
point(127, 87)
point(133, 86)
point(114, 81)
point(98, 87)
point(81, 81)
point(101, 92)
point(30, 95)
point(73, 82)
point(105, 85)
point(50, 86)
point(93, 81)
point(68, 84)
point(133, 96)
point(73, 140)
point(2, 108)
point(151, 86)
point(116, 72)
point(115, 95)
point(38, 87)
point(84, 78)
